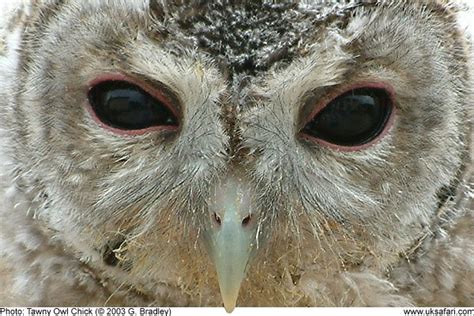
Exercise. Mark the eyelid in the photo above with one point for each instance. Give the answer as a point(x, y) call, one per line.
point(315, 107)
point(157, 90)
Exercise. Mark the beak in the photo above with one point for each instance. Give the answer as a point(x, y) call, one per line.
point(232, 237)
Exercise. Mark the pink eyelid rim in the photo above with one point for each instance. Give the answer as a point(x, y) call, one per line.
point(145, 87)
point(332, 96)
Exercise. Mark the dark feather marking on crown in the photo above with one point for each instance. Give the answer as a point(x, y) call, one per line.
point(247, 37)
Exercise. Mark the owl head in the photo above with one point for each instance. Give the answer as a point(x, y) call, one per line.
point(237, 145)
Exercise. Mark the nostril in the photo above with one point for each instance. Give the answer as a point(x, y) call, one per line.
point(217, 219)
point(246, 220)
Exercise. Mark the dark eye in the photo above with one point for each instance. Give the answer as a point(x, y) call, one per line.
point(354, 118)
point(125, 106)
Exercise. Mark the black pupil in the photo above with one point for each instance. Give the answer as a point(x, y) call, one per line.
point(122, 105)
point(354, 118)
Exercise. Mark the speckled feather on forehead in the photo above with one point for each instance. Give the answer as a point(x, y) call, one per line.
point(251, 36)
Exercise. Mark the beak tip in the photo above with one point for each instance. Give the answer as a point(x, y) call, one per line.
point(229, 309)
point(230, 301)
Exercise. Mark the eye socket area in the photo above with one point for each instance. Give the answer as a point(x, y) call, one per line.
point(352, 120)
point(129, 107)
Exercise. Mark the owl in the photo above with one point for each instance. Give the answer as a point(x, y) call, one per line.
point(235, 153)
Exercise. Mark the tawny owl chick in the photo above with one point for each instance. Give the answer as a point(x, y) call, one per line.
point(249, 153)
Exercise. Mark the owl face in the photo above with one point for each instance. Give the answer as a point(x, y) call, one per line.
point(218, 147)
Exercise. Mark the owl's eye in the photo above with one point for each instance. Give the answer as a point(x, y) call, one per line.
point(125, 106)
point(353, 119)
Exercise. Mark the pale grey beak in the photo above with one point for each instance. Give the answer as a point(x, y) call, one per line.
point(231, 237)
